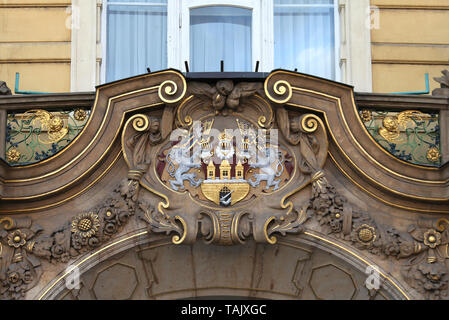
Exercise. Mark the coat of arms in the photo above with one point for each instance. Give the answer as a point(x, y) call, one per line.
point(224, 163)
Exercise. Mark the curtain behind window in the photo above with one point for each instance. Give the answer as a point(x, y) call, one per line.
point(220, 33)
point(136, 38)
point(304, 36)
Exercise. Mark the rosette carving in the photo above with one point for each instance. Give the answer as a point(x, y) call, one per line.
point(20, 270)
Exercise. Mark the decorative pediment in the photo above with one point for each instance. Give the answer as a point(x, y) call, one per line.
point(224, 161)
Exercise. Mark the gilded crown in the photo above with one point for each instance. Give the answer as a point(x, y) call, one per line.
point(224, 137)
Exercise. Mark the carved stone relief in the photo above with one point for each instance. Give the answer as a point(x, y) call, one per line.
point(282, 271)
point(444, 82)
point(227, 166)
point(4, 90)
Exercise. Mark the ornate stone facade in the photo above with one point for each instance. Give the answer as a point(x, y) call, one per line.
point(285, 159)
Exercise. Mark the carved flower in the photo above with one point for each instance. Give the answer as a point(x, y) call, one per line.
point(321, 205)
point(392, 245)
point(128, 188)
point(434, 273)
point(366, 115)
point(57, 251)
point(432, 238)
point(13, 155)
point(16, 239)
point(85, 225)
point(18, 276)
point(336, 225)
point(366, 234)
point(433, 154)
point(339, 200)
point(110, 228)
point(78, 241)
point(432, 278)
point(80, 114)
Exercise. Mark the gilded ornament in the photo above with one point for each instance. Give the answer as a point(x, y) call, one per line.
point(85, 224)
point(282, 89)
point(390, 129)
point(366, 233)
point(13, 155)
point(53, 125)
point(392, 125)
point(16, 239)
point(366, 115)
point(80, 114)
point(309, 123)
point(56, 124)
point(433, 154)
point(432, 238)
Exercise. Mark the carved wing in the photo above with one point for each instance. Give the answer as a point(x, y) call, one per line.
point(242, 90)
point(202, 89)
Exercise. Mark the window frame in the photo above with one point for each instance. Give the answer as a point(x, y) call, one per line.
point(183, 52)
point(335, 5)
point(104, 34)
point(352, 43)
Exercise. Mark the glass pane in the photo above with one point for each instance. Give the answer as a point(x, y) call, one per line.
point(220, 33)
point(304, 36)
point(136, 38)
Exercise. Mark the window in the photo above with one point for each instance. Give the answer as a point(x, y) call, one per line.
point(313, 36)
point(136, 37)
point(214, 30)
point(220, 33)
point(304, 36)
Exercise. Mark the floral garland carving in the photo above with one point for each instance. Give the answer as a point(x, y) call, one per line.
point(422, 250)
point(23, 243)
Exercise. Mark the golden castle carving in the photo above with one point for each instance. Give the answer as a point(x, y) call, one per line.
point(226, 189)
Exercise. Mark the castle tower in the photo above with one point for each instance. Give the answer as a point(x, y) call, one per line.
point(225, 170)
point(211, 170)
point(239, 170)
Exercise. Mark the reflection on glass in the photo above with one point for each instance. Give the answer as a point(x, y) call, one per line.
point(136, 37)
point(220, 33)
point(304, 36)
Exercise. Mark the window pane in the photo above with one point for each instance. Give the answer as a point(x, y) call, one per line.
point(304, 36)
point(136, 37)
point(220, 33)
